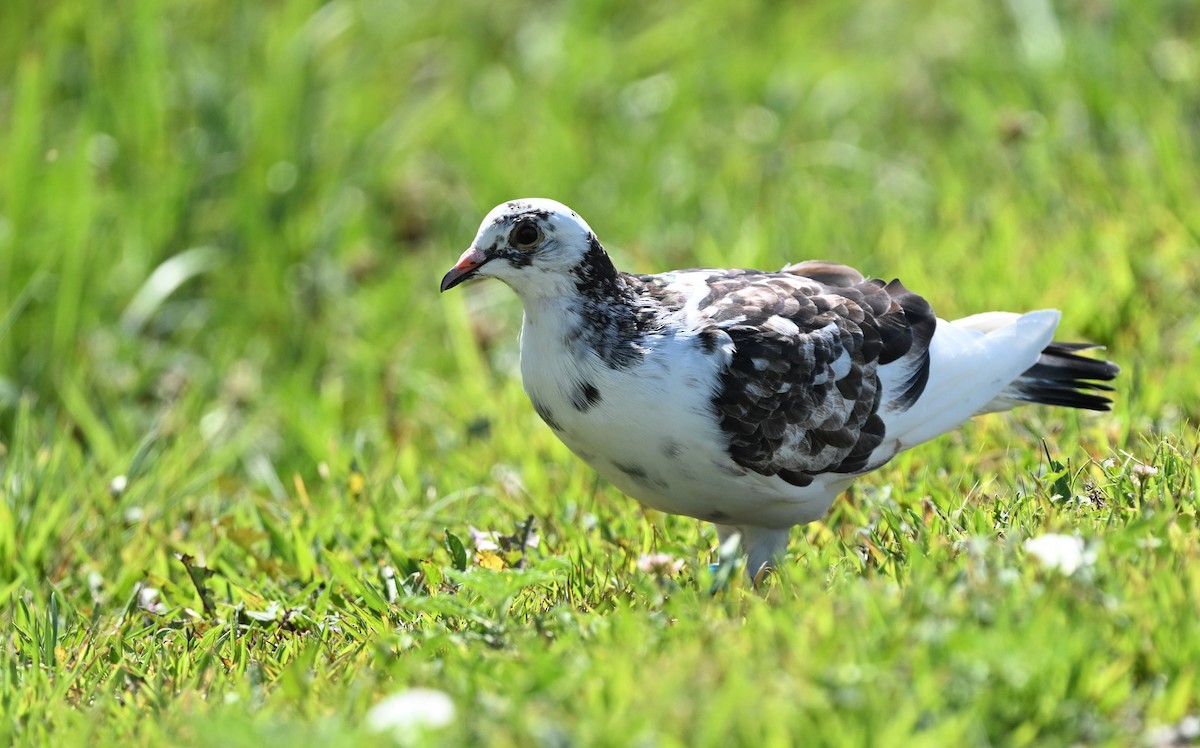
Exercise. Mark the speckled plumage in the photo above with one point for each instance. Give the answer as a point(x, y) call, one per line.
point(747, 398)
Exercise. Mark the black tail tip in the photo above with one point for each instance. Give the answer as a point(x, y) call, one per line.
point(1063, 377)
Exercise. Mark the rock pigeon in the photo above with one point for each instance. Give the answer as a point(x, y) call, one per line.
point(746, 398)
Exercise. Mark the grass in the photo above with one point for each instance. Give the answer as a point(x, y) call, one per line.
point(243, 441)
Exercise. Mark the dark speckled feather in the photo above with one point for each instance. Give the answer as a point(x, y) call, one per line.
point(801, 395)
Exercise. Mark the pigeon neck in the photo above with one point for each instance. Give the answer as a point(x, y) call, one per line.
point(595, 277)
point(601, 316)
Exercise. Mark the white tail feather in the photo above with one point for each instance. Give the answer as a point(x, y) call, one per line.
point(972, 361)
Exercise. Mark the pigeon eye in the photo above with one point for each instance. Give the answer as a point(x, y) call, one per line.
point(525, 235)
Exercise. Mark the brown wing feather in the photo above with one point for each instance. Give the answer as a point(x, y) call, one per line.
point(801, 394)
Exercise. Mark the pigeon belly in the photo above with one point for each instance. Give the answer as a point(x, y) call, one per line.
point(650, 429)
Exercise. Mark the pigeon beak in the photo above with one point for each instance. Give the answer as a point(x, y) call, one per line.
point(464, 269)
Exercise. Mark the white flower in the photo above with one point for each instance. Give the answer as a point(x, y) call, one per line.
point(483, 541)
point(497, 541)
point(1183, 732)
point(1064, 553)
point(660, 564)
point(408, 713)
point(147, 600)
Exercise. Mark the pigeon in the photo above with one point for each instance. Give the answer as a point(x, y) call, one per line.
point(746, 398)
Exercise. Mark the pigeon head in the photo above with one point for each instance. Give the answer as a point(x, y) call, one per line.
point(533, 245)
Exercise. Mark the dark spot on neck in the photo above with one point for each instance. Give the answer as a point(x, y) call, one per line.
point(585, 397)
point(638, 475)
point(545, 414)
point(595, 275)
point(613, 318)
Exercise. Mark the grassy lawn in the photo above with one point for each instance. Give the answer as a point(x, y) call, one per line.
point(245, 446)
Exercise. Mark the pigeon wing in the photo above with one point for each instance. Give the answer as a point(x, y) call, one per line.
point(801, 394)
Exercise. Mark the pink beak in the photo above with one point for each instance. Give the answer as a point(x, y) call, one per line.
point(464, 269)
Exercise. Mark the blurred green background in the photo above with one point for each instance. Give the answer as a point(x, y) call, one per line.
point(311, 168)
point(222, 226)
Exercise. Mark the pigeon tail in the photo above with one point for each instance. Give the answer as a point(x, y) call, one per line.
point(1062, 377)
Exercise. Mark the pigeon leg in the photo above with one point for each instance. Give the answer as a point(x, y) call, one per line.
point(763, 546)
